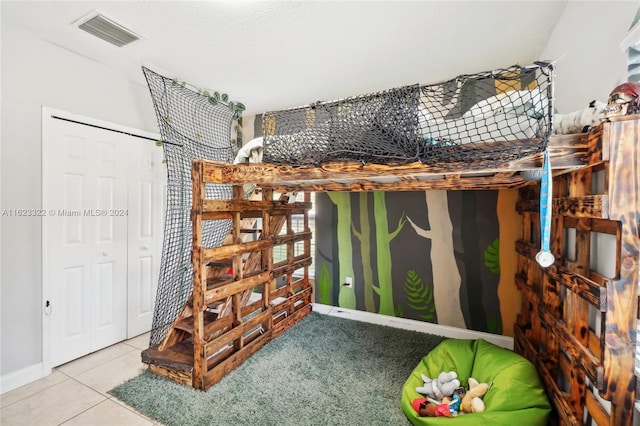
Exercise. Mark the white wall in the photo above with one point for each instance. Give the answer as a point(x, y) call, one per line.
point(36, 73)
point(585, 42)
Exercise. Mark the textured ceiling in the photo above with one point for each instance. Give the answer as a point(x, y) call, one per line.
point(272, 55)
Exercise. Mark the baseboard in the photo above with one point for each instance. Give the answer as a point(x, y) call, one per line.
point(409, 324)
point(29, 374)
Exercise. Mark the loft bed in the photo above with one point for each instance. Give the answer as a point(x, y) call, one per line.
point(577, 326)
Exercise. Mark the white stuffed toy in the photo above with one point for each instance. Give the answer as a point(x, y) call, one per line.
point(579, 121)
point(439, 387)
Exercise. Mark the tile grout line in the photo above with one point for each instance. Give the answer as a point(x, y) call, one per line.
point(83, 411)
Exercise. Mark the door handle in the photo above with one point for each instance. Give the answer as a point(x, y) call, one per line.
point(104, 253)
point(144, 248)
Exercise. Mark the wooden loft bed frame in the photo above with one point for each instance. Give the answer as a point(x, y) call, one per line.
point(220, 326)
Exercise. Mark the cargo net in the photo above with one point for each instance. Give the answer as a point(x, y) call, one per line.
point(191, 128)
point(380, 128)
point(472, 121)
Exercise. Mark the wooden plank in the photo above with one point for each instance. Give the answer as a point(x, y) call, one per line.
point(175, 335)
point(589, 206)
point(621, 323)
point(186, 324)
point(526, 290)
point(558, 398)
point(279, 208)
point(574, 348)
point(210, 205)
point(285, 324)
point(199, 274)
point(228, 251)
point(281, 269)
point(291, 238)
point(528, 351)
point(526, 249)
point(220, 325)
point(580, 285)
point(236, 332)
point(281, 292)
point(594, 345)
point(249, 309)
point(291, 300)
point(177, 376)
point(216, 374)
point(235, 287)
point(594, 144)
point(178, 357)
point(405, 184)
point(566, 151)
point(596, 410)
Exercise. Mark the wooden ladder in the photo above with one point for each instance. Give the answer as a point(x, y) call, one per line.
point(236, 306)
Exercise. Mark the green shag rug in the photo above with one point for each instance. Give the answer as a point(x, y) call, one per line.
point(322, 371)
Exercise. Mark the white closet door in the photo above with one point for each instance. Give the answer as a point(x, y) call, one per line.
point(86, 239)
point(147, 179)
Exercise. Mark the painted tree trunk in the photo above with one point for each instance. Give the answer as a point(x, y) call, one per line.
point(383, 241)
point(364, 236)
point(472, 262)
point(446, 277)
point(342, 201)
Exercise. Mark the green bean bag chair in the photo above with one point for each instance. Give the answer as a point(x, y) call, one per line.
point(516, 397)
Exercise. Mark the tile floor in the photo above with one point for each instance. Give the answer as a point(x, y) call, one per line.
point(76, 393)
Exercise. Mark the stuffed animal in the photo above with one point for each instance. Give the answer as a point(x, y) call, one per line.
point(472, 400)
point(580, 121)
point(428, 407)
point(439, 387)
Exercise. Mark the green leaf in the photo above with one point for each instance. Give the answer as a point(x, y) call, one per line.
point(159, 143)
point(216, 95)
point(419, 296)
point(213, 100)
point(240, 107)
point(492, 257)
point(225, 97)
point(231, 106)
point(399, 311)
point(206, 93)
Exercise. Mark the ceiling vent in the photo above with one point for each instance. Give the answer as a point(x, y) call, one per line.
point(107, 29)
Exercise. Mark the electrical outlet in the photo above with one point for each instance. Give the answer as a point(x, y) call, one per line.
point(348, 282)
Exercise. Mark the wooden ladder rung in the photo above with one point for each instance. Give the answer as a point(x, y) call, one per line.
point(250, 230)
point(215, 306)
point(218, 281)
point(225, 263)
point(186, 324)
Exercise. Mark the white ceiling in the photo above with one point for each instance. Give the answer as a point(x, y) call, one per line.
point(273, 55)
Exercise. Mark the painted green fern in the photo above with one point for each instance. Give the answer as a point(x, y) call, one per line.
point(494, 325)
point(324, 285)
point(492, 257)
point(399, 310)
point(419, 296)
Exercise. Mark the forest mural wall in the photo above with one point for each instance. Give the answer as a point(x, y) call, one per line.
point(431, 256)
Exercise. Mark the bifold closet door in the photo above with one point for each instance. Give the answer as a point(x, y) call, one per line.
point(103, 228)
point(86, 239)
